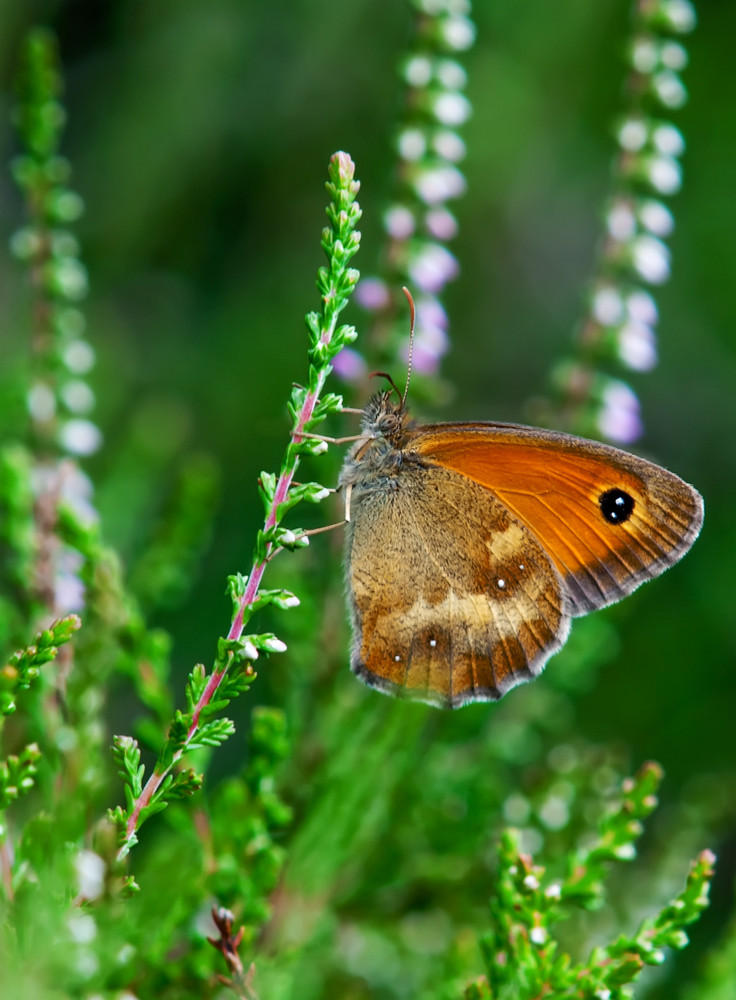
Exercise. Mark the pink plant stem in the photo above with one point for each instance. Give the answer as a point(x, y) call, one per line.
point(251, 591)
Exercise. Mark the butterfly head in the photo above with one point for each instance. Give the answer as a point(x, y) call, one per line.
point(384, 418)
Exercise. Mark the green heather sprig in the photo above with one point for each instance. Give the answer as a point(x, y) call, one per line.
point(232, 672)
point(524, 961)
point(618, 327)
point(23, 666)
point(418, 224)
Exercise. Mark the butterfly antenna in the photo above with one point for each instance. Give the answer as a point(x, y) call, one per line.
point(388, 379)
point(413, 315)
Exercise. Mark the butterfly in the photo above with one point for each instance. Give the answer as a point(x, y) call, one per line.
point(470, 547)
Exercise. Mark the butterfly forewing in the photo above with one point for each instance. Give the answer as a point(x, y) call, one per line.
point(557, 485)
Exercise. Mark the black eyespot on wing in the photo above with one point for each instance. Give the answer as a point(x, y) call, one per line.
point(616, 505)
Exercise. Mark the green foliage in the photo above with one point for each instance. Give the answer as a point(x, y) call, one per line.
point(522, 956)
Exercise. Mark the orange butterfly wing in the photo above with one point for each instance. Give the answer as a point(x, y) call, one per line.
point(566, 490)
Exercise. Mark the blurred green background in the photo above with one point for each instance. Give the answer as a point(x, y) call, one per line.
point(199, 137)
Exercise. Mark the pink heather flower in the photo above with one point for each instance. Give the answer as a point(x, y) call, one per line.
point(437, 184)
point(399, 222)
point(372, 294)
point(619, 419)
point(432, 267)
point(431, 313)
point(349, 365)
point(441, 223)
point(429, 340)
point(425, 362)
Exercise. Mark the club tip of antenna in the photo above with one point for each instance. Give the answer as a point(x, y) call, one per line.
point(412, 314)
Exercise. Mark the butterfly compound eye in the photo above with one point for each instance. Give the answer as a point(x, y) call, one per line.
point(616, 506)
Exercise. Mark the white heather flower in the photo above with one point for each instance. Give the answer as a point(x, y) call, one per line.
point(458, 33)
point(82, 927)
point(451, 74)
point(418, 71)
point(41, 402)
point(608, 305)
point(90, 869)
point(554, 813)
point(681, 16)
point(79, 357)
point(656, 218)
point(538, 935)
point(669, 88)
point(641, 306)
point(274, 645)
point(77, 396)
point(80, 437)
point(651, 259)
point(619, 419)
point(70, 278)
point(451, 108)
point(69, 593)
point(668, 140)
point(673, 56)
point(664, 174)
point(77, 491)
point(637, 346)
point(621, 221)
point(531, 882)
point(644, 55)
point(412, 144)
point(516, 809)
point(449, 145)
point(249, 650)
point(632, 135)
